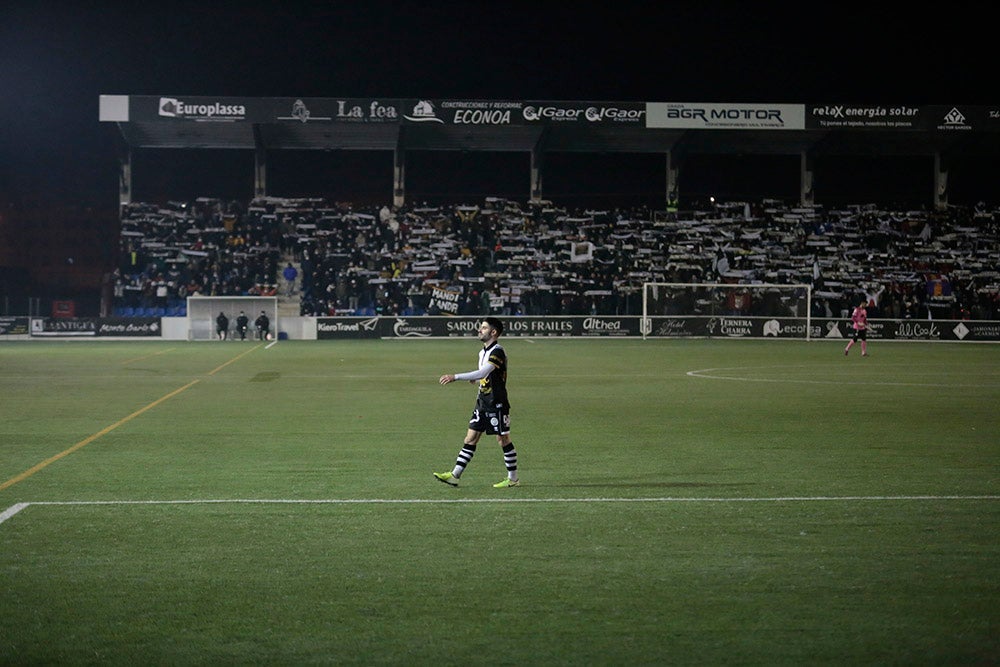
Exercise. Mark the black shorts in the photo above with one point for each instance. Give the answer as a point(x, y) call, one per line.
point(860, 334)
point(494, 420)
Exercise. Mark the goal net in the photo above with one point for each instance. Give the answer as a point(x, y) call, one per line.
point(202, 311)
point(727, 310)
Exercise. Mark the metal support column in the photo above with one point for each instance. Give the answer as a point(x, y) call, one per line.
point(940, 181)
point(673, 177)
point(537, 170)
point(124, 177)
point(807, 196)
point(259, 164)
point(399, 176)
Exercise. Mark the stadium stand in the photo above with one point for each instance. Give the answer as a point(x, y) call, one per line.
point(537, 258)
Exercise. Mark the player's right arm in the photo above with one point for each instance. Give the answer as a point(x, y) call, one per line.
point(471, 376)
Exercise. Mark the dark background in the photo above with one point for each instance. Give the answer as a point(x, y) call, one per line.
point(58, 169)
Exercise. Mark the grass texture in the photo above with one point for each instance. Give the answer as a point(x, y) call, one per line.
point(701, 502)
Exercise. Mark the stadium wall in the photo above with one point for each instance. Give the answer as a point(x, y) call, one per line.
point(593, 326)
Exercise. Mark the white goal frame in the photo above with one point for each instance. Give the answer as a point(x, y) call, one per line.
point(760, 287)
point(202, 311)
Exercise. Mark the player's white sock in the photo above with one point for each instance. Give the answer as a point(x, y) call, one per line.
point(464, 457)
point(510, 460)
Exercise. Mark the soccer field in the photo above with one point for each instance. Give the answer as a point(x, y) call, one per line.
point(682, 502)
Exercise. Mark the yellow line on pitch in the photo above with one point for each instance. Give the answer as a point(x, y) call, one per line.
point(104, 431)
point(236, 358)
point(86, 441)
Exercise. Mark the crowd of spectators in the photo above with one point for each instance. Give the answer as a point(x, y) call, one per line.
point(205, 248)
point(503, 257)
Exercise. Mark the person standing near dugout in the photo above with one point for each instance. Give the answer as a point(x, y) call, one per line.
point(492, 412)
point(263, 324)
point(859, 320)
point(242, 323)
point(222, 326)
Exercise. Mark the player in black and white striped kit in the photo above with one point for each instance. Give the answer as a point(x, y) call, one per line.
point(492, 412)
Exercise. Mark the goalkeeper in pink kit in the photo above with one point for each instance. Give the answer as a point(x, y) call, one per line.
point(859, 320)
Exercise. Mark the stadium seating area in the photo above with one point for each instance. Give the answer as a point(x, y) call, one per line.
point(537, 258)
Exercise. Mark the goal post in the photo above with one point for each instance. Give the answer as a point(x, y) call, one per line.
point(202, 311)
point(774, 309)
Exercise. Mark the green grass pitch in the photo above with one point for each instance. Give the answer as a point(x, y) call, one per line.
point(683, 502)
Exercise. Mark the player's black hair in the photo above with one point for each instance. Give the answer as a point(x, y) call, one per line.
point(495, 324)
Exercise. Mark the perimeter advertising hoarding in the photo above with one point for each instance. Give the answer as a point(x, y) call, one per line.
point(960, 118)
point(263, 110)
point(195, 108)
point(939, 118)
point(451, 327)
point(991, 118)
point(78, 327)
point(696, 116)
point(655, 115)
point(576, 326)
point(534, 112)
point(865, 117)
point(822, 328)
point(619, 114)
point(730, 327)
point(486, 113)
point(335, 110)
point(13, 326)
point(332, 328)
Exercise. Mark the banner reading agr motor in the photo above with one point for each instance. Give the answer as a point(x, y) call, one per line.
point(695, 116)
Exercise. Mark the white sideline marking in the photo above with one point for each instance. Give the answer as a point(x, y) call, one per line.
point(271, 344)
point(708, 374)
point(11, 511)
point(14, 509)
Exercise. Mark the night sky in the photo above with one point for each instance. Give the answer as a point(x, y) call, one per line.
point(56, 58)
